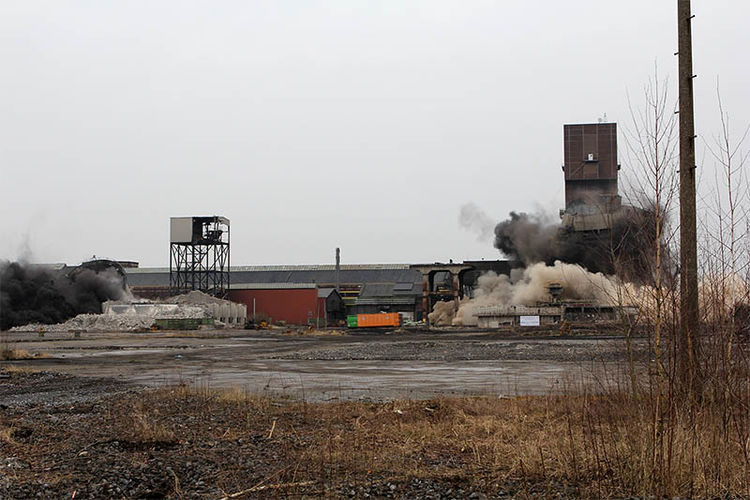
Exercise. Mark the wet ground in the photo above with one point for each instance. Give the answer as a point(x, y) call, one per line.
point(371, 366)
point(80, 421)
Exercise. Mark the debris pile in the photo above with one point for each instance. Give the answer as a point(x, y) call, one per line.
point(225, 311)
point(93, 322)
point(139, 315)
point(443, 313)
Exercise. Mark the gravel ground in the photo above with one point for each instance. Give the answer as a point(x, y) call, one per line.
point(355, 366)
point(47, 389)
point(67, 437)
point(468, 350)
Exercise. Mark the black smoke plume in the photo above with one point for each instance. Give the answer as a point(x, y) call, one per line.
point(624, 249)
point(528, 238)
point(40, 294)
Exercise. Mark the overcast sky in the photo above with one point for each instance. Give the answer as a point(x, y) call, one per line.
point(312, 125)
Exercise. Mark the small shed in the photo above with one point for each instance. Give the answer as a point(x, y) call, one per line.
point(388, 297)
point(332, 306)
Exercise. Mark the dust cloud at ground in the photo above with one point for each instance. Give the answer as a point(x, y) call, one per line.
point(442, 313)
point(529, 286)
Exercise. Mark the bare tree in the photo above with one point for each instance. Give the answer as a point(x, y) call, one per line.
point(652, 149)
point(651, 145)
point(729, 214)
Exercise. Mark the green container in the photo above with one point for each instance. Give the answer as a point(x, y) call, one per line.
point(182, 324)
point(351, 321)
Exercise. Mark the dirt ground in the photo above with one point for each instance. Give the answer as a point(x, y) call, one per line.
point(369, 366)
point(143, 415)
point(129, 442)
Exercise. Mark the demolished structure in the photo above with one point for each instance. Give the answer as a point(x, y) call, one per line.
point(570, 264)
point(183, 312)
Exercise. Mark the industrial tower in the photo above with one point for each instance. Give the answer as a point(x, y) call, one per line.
point(199, 255)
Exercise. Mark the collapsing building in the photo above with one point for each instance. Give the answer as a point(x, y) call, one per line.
point(591, 168)
point(550, 314)
point(598, 231)
point(596, 238)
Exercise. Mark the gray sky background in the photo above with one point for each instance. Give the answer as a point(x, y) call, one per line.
point(311, 125)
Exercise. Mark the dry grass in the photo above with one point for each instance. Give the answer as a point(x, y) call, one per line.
point(6, 435)
point(324, 332)
point(598, 446)
point(143, 427)
point(576, 445)
point(11, 369)
point(7, 354)
point(591, 446)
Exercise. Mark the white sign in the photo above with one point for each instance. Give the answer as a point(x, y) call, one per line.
point(529, 320)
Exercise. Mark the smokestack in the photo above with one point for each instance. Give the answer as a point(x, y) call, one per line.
point(338, 269)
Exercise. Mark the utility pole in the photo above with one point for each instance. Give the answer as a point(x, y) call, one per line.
point(689, 324)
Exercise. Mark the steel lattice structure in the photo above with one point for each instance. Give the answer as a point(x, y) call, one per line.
point(199, 255)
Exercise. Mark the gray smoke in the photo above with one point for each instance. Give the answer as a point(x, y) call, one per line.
point(528, 237)
point(626, 249)
point(475, 220)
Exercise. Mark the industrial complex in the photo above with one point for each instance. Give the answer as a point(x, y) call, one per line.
point(324, 295)
point(330, 294)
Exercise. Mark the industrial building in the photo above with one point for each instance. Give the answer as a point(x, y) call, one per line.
point(301, 294)
point(292, 293)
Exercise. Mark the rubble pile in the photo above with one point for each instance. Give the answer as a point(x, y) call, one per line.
point(154, 310)
point(227, 312)
point(94, 322)
point(195, 297)
point(140, 314)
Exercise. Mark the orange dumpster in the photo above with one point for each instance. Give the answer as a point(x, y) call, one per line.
point(378, 320)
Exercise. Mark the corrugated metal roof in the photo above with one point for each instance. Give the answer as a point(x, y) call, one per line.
point(146, 270)
point(270, 286)
point(387, 289)
point(159, 278)
point(376, 290)
point(321, 267)
point(377, 301)
point(324, 275)
point(403, 287)
point(325, 292)
point(303, 267)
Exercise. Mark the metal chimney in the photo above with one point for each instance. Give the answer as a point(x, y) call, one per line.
point(338, 269)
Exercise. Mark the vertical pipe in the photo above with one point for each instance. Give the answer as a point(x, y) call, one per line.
point(338, 269)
